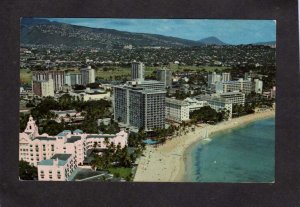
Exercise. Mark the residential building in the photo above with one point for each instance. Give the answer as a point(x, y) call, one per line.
point(57, 76)
point(244, 86)
point(194, 104)
point(72, 79)
point(90, 94)
point(164, 75)
point(87, 75)
point(43, 88)
point(137, 71)
point(226, 77)
point(177, 110)
point(213, 78)
point(234, 97)
point(258, 86)
point(217, 103)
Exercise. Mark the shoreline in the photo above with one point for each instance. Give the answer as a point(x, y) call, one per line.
point(166, 163)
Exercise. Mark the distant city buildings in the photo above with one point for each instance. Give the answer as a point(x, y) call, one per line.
point(213, 78)
point(244, 86)
point(57, 76)
point(258, 86)
point(226, 77)
point(72, 79)
point(43, 88)
point(87, 75)
point(128, 47)
point(137, 71)
point(164, 75)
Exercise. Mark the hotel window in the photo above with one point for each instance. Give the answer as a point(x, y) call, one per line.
point(52, 147)
point(44, 147)
point(58, 175)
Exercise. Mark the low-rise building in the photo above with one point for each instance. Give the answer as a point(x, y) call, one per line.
point(58, 168)
point(217, 103)
point(234, 97)
point(177, 110)
point(91, 94)
point(194, 104)
point(244, 86)
point(35, 148)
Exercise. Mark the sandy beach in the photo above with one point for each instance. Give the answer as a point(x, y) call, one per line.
point(165, 163)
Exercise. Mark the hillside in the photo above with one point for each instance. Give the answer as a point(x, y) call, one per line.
point(211, 41)
point(41, 32)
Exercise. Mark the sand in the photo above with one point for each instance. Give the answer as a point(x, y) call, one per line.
point(165, 163)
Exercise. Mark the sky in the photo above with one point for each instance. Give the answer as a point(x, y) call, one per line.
point(228, 31)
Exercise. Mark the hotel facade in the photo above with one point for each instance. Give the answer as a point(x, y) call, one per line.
point(35, 148)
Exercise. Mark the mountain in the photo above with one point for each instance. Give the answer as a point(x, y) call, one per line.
point(42, 32)
point(211, 41)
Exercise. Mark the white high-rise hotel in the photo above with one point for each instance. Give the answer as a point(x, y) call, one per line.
point(87, 75)
point(140, 104)
point(137, 71)
point(164, 75)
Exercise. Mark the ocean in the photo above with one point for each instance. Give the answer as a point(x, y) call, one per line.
point(241, 155)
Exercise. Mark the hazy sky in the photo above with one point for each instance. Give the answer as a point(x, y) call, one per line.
point(229, 31)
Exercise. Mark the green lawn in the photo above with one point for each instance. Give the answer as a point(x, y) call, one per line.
point(123, 172)
point(26, 75)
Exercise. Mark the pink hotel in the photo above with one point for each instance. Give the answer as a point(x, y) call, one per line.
point(57, 156)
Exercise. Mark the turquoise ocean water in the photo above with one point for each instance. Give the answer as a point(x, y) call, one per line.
point(245, 154)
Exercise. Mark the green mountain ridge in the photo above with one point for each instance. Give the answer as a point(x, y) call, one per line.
point(35, 32)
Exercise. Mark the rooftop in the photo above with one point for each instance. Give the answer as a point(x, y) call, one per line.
point(63, 133)
point(45, 138)
point(175, 101)
point(100, 136)
point(61, 156)
point(73, 139)
point(62, 160)
point(77, 131)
